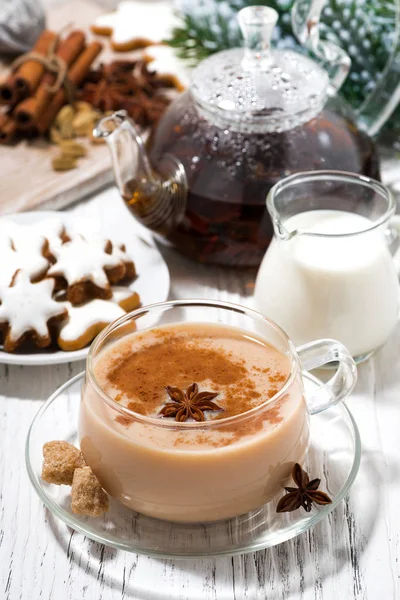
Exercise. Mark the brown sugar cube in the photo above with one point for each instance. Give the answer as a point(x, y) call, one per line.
point(87, 495)
point(60, 461)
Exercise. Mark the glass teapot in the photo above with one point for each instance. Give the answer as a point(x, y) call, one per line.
point(252, 115)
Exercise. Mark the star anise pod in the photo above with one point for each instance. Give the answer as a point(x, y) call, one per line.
point(304, 494)
point(119, 68)
point(188, 404)
point(155, 108)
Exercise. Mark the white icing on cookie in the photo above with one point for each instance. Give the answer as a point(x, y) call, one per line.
point(120, 254)
point(119, 294)
point(28, 306)
point(5, 252)
point(77, 260)
point(88, 229)
point(132, 20)
point(31, 237)
point(11, 260)
point(81, 318)
point(164, 61)
point(52, 229)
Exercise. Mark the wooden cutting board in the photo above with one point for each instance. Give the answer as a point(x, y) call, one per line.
point(27, 180)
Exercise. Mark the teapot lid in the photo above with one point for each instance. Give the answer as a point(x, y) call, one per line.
point(256, 87)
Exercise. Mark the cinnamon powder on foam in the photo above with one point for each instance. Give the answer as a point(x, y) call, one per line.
point(179, 361)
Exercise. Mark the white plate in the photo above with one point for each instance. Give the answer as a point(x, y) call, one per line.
point(152, 283)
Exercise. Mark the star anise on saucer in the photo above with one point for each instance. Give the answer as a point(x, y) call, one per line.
point(304, 494)
point(188, 404)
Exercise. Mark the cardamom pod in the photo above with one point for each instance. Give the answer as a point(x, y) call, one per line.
point(84, 121)
point(66, 130)
point(81, 106)
point(63, 162)
point(64, 115)
point(72, 148)
point(55, 136)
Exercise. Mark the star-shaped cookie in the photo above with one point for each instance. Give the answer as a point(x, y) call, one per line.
point(31, 237)
point(137, 24)
point(27, 310)
point(84, 322)
point(31, 261)
point(87, 270)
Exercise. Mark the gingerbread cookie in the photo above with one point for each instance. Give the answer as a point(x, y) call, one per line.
point(137, 24)
point(86, 269)
point(120, 252)
point(163, 60)
point(27, 311)
point(89, 231)
point(6, 257)
point(84, 322)
point(11, 261)
point(31, 237)
point(31, 260)
point(125, 298)
point(86, 229)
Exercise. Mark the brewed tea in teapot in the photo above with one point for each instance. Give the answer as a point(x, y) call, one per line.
point(252, 116)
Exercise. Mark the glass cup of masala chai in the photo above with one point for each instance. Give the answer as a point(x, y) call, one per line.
point(194, 411)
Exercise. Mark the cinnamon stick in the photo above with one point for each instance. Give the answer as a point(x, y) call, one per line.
point(76, 75)
point(8, 129)
point(26, 78)
point(28, 111)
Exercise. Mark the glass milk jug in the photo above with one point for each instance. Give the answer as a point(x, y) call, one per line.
point(329, 271)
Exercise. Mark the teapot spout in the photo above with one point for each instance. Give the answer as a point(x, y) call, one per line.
point(130, 162)
point(157, 199)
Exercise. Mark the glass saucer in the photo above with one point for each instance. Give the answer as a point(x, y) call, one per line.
point(334, 455)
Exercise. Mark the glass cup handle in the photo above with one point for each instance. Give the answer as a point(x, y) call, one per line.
point(319, 353)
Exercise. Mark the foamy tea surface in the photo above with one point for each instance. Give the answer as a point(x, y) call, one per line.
point(245, 371)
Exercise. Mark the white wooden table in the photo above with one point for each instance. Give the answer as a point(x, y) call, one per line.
point(355, 553)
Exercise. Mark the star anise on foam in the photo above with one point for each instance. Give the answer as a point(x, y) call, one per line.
point(304, 494)
point(188, 404)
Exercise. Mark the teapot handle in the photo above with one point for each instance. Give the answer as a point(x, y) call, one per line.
point(305, 23)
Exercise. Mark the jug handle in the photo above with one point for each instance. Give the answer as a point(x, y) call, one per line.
point(305, 24)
